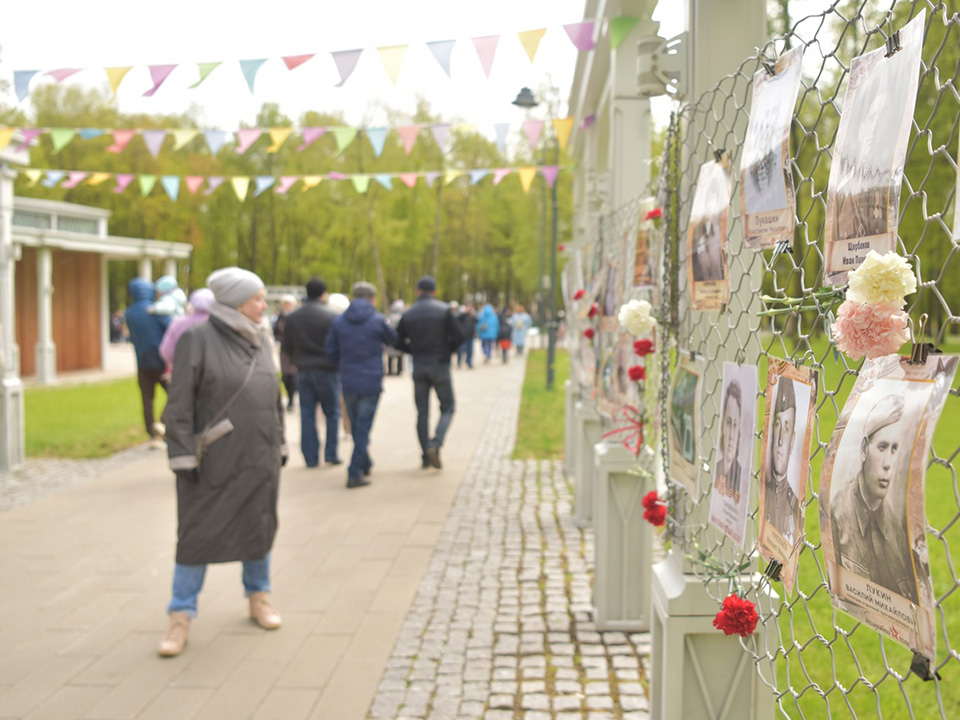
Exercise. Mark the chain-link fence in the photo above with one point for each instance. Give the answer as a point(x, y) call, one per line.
point(818, 661)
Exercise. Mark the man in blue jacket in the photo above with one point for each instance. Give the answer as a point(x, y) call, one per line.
point(146, 332)
point(355, 345)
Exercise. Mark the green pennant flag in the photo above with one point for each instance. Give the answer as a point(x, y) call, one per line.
point(205, 69)
point(61, 137)
point(146, 184)
point(361, 183)
point(344, 136)
point(620, 27)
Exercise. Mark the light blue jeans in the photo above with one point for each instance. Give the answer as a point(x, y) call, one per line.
point(188, 581)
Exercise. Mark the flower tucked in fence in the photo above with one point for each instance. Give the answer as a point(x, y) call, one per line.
point(636, 319)
point(588, 333)
point(871, 330)
point(737, 616)
point(654, 214)
point(654, 509)
point(643, 347)
point(637, 373)
point(881, 279)
point(579, 294)
point(593, 311)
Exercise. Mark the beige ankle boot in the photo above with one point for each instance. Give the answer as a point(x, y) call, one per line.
point(176, 637)
point(263, 613)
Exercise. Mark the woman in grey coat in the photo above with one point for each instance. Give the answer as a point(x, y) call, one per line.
point(225, 440)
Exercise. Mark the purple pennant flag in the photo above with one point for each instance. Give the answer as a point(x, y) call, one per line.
point(441, 131)
point(286, 182)
point(336, 176)
point(581, 35)
point(213, 182)
point(587, 122)
point(441, 50)
point(28, 136)
point(158, 73)
point(430, 176)
point(309, 135)
point(123, 180)
point(74, 178)
point(346, 61)
point(550, 173)
point(154, 141)
point(63, 73)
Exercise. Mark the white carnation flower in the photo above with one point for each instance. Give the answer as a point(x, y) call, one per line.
point(636, 319)
point(881, 279)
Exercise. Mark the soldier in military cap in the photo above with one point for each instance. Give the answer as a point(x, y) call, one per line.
point(868, 538)
point(781, 504)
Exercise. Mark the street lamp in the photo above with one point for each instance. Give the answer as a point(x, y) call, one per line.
point(526, 100)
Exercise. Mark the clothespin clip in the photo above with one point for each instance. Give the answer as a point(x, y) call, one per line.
point(773, 569)
point(920, 350)
point(782, 246)
point(722, 157)
point(769, 65)
point(893, 44)
point(723, 308)
point(740, 357)
point(693, 356)
point(920, 666)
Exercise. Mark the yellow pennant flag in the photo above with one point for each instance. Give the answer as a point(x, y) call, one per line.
point(240, 186)
point(562, 128)
point(99, 178)
point(278, 136)
point(33, 175)
point(311, 181)
point(464, 127)
point(115, 76)
point(182, 136)
point(392, 59)
point(527, 174)
point(6, 135)
point(531, 41)
point(450, 175)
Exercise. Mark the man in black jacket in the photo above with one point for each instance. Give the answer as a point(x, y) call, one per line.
point(318, 381)
point(430, 333)
point(468, 324)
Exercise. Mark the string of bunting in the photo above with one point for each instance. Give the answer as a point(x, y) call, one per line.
point(343, 135)
point(282, 184)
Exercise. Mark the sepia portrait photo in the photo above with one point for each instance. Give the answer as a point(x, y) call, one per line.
point(766, 184)
point(707, 238)
point(863, 197)
point(734, 463)
point(872, 519)
point(684, 424)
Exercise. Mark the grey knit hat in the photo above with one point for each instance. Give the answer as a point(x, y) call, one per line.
point(233, 286)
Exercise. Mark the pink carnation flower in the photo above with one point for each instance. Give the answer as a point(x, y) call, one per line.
point(871, 330)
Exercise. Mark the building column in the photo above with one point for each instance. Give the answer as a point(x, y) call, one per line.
point(170, 267)
point(146, 269)
point(46, 350)
point(105, 310)
point(12, 447)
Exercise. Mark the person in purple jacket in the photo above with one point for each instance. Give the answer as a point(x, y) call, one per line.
point(200, 302)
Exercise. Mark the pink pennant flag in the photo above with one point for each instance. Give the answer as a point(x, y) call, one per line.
point(123, 180)
point(409, 135)
point(309, 135)
point(246, 138)
point(213, 183)
point(120, 140)
point(63, 73)
point(550, 173)
point(409, 179)
point(74, 178)
point(158, 73)
point(286, 182)
point(533, 128)
point(29, 134)
point(154, 141)
point(500, 173)
point(581, 35)
point(486, 50)
point(346, 62)
point(295, 61)
point(336, 176)
point(193, 183)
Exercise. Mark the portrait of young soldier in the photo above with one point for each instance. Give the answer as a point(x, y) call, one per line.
point(781, 504)
point(728, 462)
point(707, 245)
point(869, 538)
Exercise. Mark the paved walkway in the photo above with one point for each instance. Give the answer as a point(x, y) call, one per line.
point(453, 594)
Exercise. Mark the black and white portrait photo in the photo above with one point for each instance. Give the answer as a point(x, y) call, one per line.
point(707, 238)
point(684, 424)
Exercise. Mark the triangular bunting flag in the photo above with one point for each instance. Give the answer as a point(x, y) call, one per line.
point(213, 182)
point(171, 184)
point(530, 39)
point(346, 62)
point(311, 181)
point(63, 73)
point(6, 135)
point(91, 133)
point(61, 137)
point(240, 187)
point(205, 69)
point(441, 133)
point(123, 181)
point(409, 179)
point(52, 178)
point(527, 174)
point(377, 137)
point(450, 175)
point(550, 173)
point(562, 128)
point(478, 175)
point(21, 82)
point(249, 69)
point(193, 183)
point(286, 182)
point(587, 122)
point(246, 138)
point(115, 76)
point(215, 140)
point(120, 140)
point(486, 50)
point(500, 173)
point(409, 135)
point(502, 129)
point(581, 35)
point(336, 176)
point(74, 178)
point(99, 178)
point(182, 136)
point(147, 183)
point(360, 183)
point(392, 59)
point(263, 182)
point(309, 134)
point(28, 135)
point(278, 136)
point(384, 180)
point(158, 73)
point(344, 136)
point(619, 28)
point(33, 175)
point(295, 61)
point(430, 177)
point(154, 141)
point(441, 50)
point(533, 128)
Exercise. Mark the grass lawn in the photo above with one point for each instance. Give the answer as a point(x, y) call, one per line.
point(540, 427)
point(85, 421)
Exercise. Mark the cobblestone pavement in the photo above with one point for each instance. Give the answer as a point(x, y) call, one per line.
point(502, 624)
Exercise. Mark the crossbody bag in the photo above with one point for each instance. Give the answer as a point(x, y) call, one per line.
point(217, 428)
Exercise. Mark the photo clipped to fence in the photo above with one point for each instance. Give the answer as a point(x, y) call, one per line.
point(707, 256)
point(685, 423)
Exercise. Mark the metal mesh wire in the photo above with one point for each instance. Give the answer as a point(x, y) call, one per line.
point(817, 661)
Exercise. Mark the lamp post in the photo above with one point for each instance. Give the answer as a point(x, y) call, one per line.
point(526, 100)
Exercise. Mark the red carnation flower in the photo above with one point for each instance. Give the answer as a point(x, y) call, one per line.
point(579, 294)
point(643, 347)
point(561, 248)
point(655, 510)
point(588, 333)
point(654, 214)
point(650, 499)
point(737, 616)
point(593, 311)
point(637, 373)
